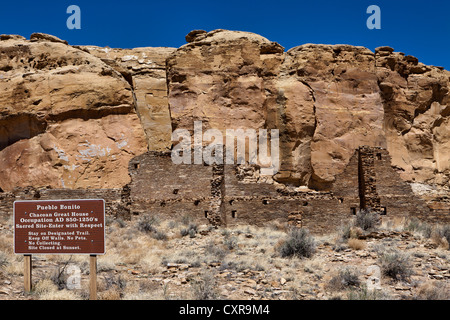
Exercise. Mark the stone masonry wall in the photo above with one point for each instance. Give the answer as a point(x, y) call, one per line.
point(367, 179)
point(230, 195)
point(223, 195)
point(370, 175)
point(161, 187)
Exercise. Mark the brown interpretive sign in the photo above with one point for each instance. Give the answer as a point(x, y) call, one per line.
point(59, 227)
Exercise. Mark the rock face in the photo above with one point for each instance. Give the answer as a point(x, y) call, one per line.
point(74, 116)
point(145, 70)
point(416, 123)
point(67, 119)
point(326, 100)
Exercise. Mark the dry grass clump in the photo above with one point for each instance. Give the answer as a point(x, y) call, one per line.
point(363, 293)
point(347, 236)
point(46, 289)
point(433, 291)
point(356, 244)
point(111, 287)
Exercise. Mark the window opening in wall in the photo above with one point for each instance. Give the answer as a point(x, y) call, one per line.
point(353, 210)
point(305, 203)
point(233, 214)
point(162, 203)
point(175, 191)
point(231, 202)
point(206, 213)
point(196, 202)
point(136, 165)
point(341, 200)
point(384, 211)
point(379, 156)
point(265, 201)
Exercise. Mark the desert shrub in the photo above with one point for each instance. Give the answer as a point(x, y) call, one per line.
point(59, 276)
point(412, 225)
point(191, 230)
point(147, 224)
point(415, 225)
point(159, 235)
point(395, 264)
point(345, 278)
point(121, 223)
point(111, 281)
point(344, 232)
point(216, 252)
point(299, 244)
point(230, 242)
point(186, 219)
point(366, 219)
point(204, 287)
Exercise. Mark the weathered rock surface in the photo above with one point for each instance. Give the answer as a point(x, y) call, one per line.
point(416, 123)
point(347, 108)
point(326, 100)
point(145, 70)
point(73, 116)
point(66, 118)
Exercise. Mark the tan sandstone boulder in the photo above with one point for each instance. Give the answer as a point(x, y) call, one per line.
point(66, 118)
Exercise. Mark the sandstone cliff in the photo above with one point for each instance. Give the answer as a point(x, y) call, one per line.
point(73, 117)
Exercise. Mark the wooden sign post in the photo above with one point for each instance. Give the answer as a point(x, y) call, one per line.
point(93, 277)
point(60, 227)
point(27, 267)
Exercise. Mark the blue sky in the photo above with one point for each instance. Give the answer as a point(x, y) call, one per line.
point(418, 28)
